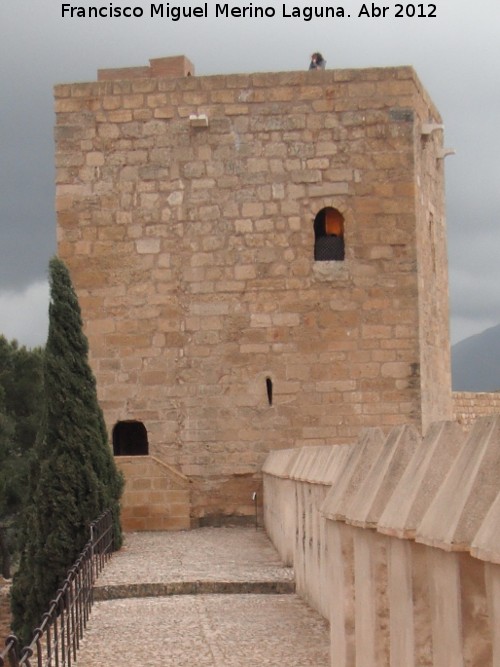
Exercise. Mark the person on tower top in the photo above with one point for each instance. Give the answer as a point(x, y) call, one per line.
point(317, 61)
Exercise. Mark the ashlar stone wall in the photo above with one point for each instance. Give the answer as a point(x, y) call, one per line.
point(156, 497)
point(191, 246)
point(469, 406)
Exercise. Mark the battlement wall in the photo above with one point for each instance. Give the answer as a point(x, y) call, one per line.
point(395, 541)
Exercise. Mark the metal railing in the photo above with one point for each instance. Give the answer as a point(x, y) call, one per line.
point(56, 641)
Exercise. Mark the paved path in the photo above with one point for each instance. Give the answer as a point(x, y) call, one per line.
point(261, 623)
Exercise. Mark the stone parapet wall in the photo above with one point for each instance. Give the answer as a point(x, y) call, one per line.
point(468, 406)
point(156, 497)
point(280, 513)
point(404, 548)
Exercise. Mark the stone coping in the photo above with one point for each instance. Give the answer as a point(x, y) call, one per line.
point(358, 463)
point(367, 506)
point(467, 493)
point(421, 480)
point(280, 462)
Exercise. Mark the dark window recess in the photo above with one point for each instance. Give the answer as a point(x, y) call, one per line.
point(130, 438)
point(329, 235)
point(269, 388)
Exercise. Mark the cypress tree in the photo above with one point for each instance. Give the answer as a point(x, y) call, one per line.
point(73, 477)
point(21, 399)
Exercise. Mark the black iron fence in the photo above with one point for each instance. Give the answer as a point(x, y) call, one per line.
point(56, 641)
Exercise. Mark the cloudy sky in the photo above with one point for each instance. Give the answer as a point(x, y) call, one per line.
point(456, 55)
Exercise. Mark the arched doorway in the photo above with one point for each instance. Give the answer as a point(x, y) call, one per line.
point(130, 438)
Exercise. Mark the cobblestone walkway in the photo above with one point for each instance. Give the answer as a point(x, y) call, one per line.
point(147, 614)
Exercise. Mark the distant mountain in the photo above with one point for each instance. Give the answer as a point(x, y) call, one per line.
point(475, 362)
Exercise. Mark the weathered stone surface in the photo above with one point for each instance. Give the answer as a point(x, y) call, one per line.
point(377, 487)
point(421, 480)
point(360, 459)
point(469, 406)
point(486, 543)
point(156, 215)
point(156, 497)
point(468, 492)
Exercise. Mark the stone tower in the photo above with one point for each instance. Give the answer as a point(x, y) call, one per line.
point(260, 260)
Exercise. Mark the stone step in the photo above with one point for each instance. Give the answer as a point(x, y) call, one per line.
point(117, 592)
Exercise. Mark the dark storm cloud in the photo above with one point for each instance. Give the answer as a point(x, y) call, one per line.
point(456, 55)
